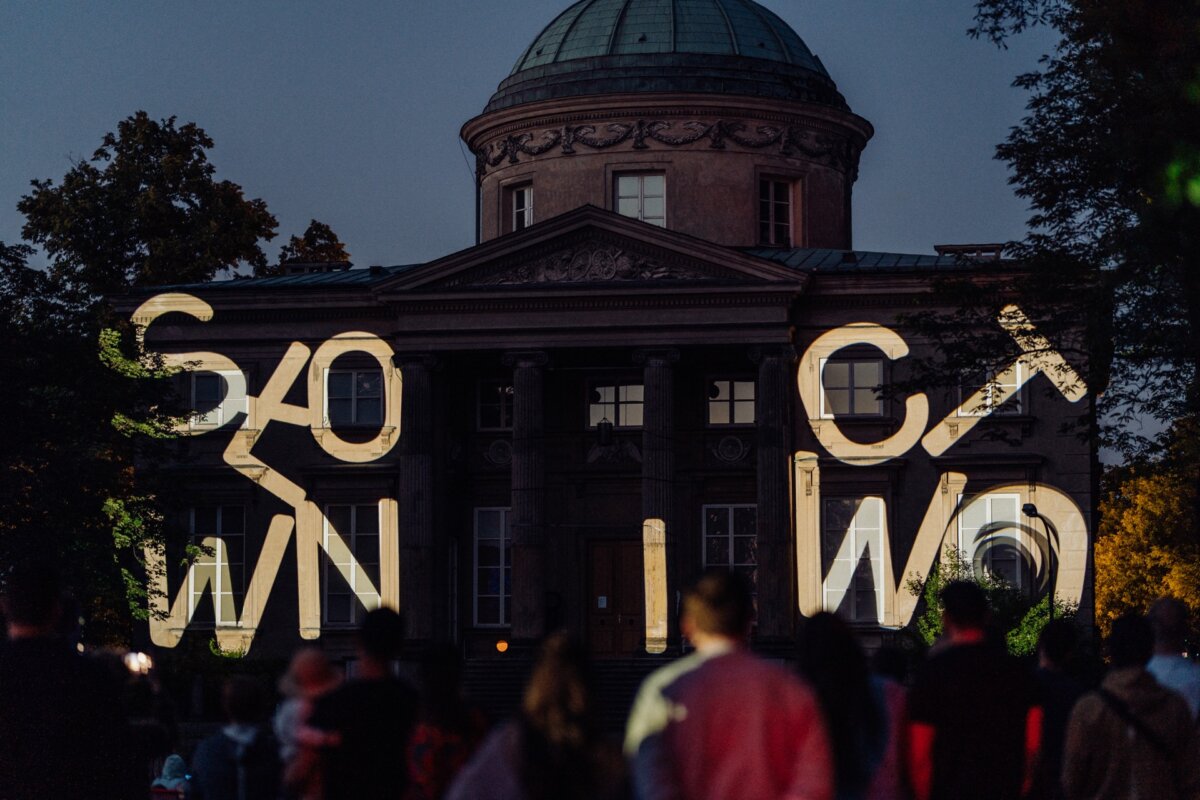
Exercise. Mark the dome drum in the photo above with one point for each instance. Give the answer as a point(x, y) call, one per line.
point(713, 105)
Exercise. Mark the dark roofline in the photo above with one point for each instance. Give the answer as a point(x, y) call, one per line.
point(342, 279)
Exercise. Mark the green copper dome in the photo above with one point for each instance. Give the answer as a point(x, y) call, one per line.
point(708, 46)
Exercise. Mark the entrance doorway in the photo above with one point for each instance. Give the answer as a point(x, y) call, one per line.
point(616, 592)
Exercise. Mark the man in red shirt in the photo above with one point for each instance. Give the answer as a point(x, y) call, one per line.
point(975, 721)
point(721, 722)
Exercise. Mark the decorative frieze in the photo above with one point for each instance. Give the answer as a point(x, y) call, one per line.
point(785, 140)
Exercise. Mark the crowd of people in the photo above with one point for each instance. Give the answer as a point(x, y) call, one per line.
point(719, 723)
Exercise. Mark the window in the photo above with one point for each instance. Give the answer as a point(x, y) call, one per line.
point(222, 529)
point(494, 411)
point(730, 402)
point(217, 398)
point(851, 388)
point(521, 199)
point(493, 567)
point(1006, 382)
point(620, 404)
point(852, 557)
point(358, 526)
point(353, 397)
point(991, 523)
point(775, 212)
point(731, 539)
point(643, 197)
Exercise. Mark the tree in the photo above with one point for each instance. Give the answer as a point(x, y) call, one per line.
point(145, 210)
point(1108, 157)
point(89, 415)
point(1146, 547)
point(318, 245)
point(67, 488)
point(1014, 614)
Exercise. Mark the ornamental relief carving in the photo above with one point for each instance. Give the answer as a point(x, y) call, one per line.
point(588, 263)
point(786, 140)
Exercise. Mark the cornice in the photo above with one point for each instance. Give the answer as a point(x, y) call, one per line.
point(782, 296)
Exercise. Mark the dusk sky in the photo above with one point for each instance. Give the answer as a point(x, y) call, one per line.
point(350, 112)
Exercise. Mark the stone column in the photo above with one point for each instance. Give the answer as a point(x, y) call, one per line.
point(415, 503)
point(527, 613)
point(658, 478)
point(776, 582)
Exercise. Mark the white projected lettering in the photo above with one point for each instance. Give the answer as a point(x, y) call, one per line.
point(843, 548)
point(312, 533)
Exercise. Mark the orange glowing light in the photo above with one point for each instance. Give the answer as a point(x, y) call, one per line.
point(502, 646)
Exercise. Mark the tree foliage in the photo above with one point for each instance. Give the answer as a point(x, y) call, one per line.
point(1147, 546)
point(1108, 157)
point(1015, 615)
point(90, 416)
point(145, 210)
point(318, 245)
point(68, 490)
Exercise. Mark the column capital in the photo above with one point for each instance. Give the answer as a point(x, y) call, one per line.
point(761, 352)
point(655, 356)
point(426, 360)
point(525, 358)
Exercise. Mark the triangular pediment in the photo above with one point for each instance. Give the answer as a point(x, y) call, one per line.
point(590, 248)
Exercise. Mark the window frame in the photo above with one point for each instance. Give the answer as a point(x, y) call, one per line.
point(965, 500)
point(729, 508)
point(479, 393)
point(851, 388)
point(878, 561)
point(617, 403)
point(640, 176)
point(525, 191)
point(329, 570)
point(504, 599)
point(771, 184)
point(731, 401)
point(1017, 405)
point(354, 423)
point(224, 417)
point(220, 554)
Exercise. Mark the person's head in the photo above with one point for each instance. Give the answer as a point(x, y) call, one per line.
point(1056, 644)
point(1169, 618)
point(32, 598)
point(242, 700)
point(964, 608)
point(719, 605)
point(832, 662)
point(381, 636)
point(310, 674)
point(557, 723)
point(558, 698)
point(1131, 643)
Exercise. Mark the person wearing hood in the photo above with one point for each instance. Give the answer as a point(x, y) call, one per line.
point(174, 777)
point(241, 762)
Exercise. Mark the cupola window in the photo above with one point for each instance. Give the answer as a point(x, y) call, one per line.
point(644, 197)
point(775, 212)
point(521, 200)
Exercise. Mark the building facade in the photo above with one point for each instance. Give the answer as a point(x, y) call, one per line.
point(662, 356)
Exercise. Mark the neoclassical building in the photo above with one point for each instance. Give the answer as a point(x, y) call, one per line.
point(663, 355)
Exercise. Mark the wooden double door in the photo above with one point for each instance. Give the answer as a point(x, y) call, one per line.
point(616, 618)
